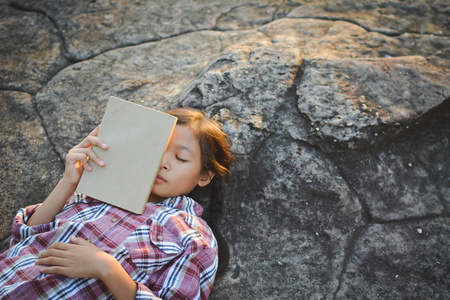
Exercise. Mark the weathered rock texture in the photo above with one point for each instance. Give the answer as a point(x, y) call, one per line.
point(339, 112)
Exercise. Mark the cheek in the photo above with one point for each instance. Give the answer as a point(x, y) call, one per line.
point(183, 172)
point(192, 175)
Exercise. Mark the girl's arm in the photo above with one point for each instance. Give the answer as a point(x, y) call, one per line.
point(118, 281)
point(84, 260)
point(76, 161)
point(53, 204)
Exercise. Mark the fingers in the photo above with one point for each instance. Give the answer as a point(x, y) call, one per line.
point(52, 261)
point(60, 246)
point(95, 131)
point(78, 240)
point(56, 270)
point(83, 155)
point(90, 141)
point(58, 249)
point(81, 259)
point(93, 139)
point(79, 157)
point(55, 255)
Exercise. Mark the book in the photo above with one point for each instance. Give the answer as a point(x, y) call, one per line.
point(137, 138)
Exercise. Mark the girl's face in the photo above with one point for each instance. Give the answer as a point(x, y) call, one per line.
point(181, 168)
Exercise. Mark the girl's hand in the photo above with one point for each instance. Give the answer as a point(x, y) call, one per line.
point(77, 160)
point(78, 260)
point(85, 260)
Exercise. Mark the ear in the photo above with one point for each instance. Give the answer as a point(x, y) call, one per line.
point(206, 178)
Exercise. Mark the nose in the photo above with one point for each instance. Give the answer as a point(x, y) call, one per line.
point(165, 161)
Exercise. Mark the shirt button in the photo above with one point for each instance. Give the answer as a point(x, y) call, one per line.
point(172, 201)
point(113, 220)
point(160, 237)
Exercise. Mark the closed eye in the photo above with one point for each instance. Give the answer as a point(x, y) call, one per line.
point(180, 159)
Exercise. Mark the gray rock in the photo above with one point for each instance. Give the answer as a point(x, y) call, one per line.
point(26, 154)
point(333, 39)
point(354, 103)
point(319, 39)
point(407, 178)
point(388, 17)
point(430, 146)
point(435, 48)
point(393, 184)
point(342, 132)
point(149, 74)
point(246, 16)
point(293, 217)
point(404, 260)
point(92, 27)
point(30, 49)
point(244, 89)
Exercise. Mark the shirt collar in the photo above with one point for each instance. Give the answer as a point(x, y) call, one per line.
point(184, 203)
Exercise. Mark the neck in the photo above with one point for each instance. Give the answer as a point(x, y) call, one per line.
point(155, 199)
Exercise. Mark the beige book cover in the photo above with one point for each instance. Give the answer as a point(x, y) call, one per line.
point(137, 138)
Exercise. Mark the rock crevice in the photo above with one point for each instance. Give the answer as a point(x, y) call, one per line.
point(338, 110)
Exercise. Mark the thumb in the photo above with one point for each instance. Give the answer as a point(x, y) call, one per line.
point(78, 240)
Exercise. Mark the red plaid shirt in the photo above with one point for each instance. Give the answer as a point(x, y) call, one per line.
point(168, 250)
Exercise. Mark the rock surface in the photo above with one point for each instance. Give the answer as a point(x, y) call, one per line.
point(30, 49)
point(339, 112)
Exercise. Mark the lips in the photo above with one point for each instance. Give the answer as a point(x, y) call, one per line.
point(159, 178)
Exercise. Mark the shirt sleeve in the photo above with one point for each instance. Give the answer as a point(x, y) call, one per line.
point(144, 293)
point(20, 230)
point(190, 276)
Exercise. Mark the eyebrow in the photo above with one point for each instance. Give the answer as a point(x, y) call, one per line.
point(182, 147)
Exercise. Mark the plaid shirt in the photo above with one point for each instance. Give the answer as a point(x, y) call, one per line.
point(168, 250)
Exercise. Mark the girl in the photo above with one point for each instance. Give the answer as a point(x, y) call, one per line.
point(85, 249)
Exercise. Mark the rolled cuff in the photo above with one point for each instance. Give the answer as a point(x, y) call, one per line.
point(144, 293)
point(21, 231)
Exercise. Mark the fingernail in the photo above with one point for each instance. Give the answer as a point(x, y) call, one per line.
point(101, 163)
point(89, 168)
point(104, 146)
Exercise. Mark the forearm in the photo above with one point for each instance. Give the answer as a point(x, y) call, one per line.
point(76, 161)
point(118, 281)
point(53, 204)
